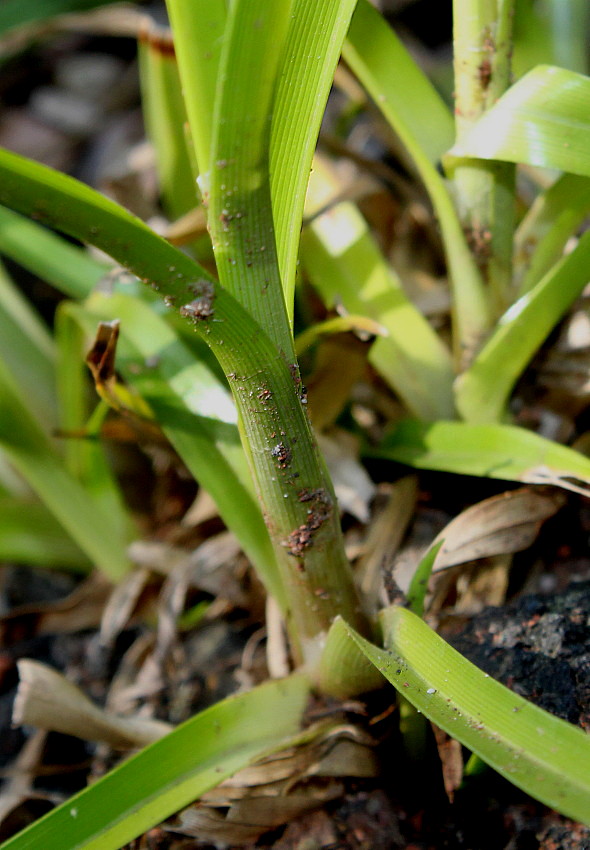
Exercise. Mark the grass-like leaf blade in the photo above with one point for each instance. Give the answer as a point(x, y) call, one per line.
point(542, 119)
point(31, 452)
point(173, 772)
point(482, 391)
point(412, 107)
point(491, 451)
point(536, 751)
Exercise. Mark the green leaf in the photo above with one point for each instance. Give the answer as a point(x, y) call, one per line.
point(70, 269)
point(172, 773)
point(419, 584)
point(553, 32)
point(238, 343)
point(344, 670)
point(30, 534)
point(425, 127)
point(312, 48)
point(545, 756)
point(346, 267)
point(543, 120)
point(482, 392)
point(165, 118)
point(198, 29)
point(85, 457)
point(555, 216)
point(195, 412)
point(399, 87)
point(490, 451)
point(29, 449)
point(27, 351)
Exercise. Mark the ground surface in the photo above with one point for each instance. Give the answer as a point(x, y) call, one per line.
point(535, 639)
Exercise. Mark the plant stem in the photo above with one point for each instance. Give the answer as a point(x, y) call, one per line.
point(482, 34)
point(293, 485)
point(291, 479)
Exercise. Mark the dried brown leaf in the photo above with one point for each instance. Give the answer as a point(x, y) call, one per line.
point(81, 609)
point(451, 757)
point(340, 363)
point(385, 535)
point(280, 787)
point(47, 700)
point(501, 525)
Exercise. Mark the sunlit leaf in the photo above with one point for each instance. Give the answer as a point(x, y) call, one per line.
point(425, 127)
point(490, 451)
point(534, 750)
point(543, 119)
point(482, 392)
point(313, 44)
point(346, 266)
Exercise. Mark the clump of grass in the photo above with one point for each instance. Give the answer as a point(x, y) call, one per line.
point(251, 82)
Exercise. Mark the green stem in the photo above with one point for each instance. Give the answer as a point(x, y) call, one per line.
point(569, 21)
point(484, 190)
point(290, 476)
point(294, 488)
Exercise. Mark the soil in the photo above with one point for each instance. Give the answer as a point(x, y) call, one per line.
point(537, 643)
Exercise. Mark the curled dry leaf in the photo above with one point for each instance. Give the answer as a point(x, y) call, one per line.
point(451, 757)
point(81, 609)
point(501, 525)
point(47, 700)
point(280, 787)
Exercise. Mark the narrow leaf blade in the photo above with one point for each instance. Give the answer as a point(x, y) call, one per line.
point(542, 120)
point(540, 753)
point(491, 451)
point(172, 772)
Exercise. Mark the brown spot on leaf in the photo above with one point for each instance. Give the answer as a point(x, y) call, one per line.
point(283, 455)
point(319, 510)
point(200, 307)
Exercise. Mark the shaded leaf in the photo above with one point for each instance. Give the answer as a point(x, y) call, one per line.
point(482, 391)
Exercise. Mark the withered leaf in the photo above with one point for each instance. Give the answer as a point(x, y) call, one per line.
point(500, 525)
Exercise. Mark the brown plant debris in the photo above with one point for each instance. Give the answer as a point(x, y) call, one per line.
point(318, 511)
